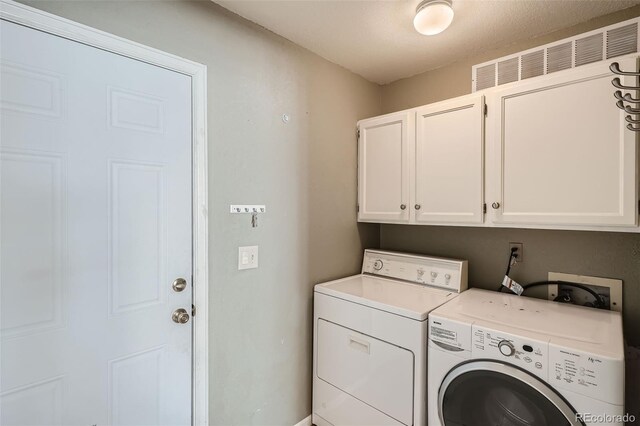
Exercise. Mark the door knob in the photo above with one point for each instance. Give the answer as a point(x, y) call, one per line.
point(403, 206)
point(180, 316)
point(495, 205)
point(179, 284)
point(417, 206)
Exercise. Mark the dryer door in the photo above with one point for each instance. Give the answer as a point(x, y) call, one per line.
point(480, 393)
point(376, 372)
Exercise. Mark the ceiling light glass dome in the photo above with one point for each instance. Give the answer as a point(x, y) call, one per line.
point(433, 16)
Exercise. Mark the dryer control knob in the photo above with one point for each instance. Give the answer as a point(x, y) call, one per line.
point(377, 265)
point(506, 348)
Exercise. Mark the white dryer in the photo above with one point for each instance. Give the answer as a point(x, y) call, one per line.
point(501, 359)
point(370, 338)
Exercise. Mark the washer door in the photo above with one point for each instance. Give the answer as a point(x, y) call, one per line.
point(481, 393)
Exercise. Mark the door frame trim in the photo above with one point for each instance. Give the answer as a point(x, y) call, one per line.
point(55, 25)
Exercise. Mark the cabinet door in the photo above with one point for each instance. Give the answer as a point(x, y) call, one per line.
point(383, 167)
point(562, 154)
point(449, 161)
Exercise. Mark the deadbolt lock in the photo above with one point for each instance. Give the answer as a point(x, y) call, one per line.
point(180, 316)
point(179, 284)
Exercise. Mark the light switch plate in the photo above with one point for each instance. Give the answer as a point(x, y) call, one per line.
point(247, 257)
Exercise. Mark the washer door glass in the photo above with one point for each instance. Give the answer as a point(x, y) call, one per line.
point(481, 393)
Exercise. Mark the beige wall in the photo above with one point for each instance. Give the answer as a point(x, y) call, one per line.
point(455, 79)
point(304, 171)
point(613, 255)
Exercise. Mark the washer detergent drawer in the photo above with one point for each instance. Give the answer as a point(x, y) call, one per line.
point(375, 372)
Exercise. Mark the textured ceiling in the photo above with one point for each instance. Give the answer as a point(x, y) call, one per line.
point(376, 39)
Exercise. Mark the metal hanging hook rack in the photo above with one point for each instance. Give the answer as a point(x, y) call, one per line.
point(628, 119)
point(615, 68)
point(626, 98)
point(616, 83)
point(627, 108)
point(622, 98)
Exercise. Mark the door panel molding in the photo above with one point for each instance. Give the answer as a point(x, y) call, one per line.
point(36, 19)
point(18, 164)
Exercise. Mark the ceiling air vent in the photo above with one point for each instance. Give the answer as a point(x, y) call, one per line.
point(485, 77)
point(559, 57)
point(594, 46)
point(623, 40)
point(508, 71)
point(532, 64)
point(589, 49)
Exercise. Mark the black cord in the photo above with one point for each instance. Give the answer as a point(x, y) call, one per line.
point(599, 301)
point(512, 255)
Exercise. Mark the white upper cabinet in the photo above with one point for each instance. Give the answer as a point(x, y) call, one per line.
point(383, 167)
point(449, 161)
point(558, 155)
point(561, 153)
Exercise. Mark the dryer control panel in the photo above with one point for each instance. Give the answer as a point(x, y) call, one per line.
point(450, 274)
point(529, 354)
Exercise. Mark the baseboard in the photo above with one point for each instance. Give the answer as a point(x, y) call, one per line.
point(304, 422)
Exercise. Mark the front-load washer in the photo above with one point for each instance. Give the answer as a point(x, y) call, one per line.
point(370, 338)
point(502, 359)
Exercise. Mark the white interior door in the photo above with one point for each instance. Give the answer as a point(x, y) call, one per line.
point(449, 161)
point(383, 167)
point(95, 169)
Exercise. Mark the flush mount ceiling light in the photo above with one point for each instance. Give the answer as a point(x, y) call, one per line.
point(433, 16)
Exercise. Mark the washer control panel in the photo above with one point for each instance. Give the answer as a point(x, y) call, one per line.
point(450, 335)
point(450, 274)
point(587, 374)
point(529, 354)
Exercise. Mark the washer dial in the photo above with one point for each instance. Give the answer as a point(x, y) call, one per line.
point(506, 348)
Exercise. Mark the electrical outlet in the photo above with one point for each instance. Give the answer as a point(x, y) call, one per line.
point(520, 247)
point(609, 289)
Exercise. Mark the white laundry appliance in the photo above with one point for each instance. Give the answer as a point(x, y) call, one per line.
point(501, 359)
point(370, 338)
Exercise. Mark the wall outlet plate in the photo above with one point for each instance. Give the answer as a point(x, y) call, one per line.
point(520, 247)
point(609, 288)
point(247, 257)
